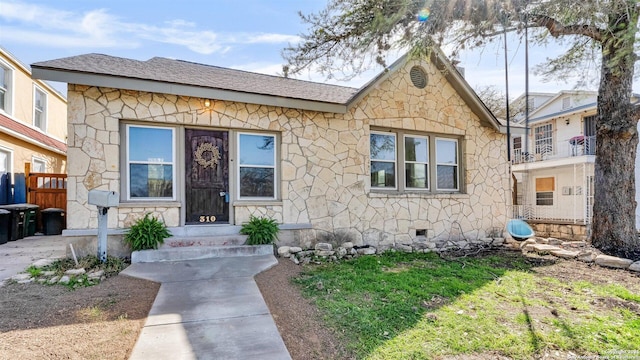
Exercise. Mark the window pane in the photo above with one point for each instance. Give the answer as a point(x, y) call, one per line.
point(544, 198)
point(447, 177)
point(416, 149)
point(383, 147)
point(150, 144)
point(257, 150)
point(4, 162)
point(416, 175)
point(446, 151)
point(2, 97)
point(39, 100)
point(37, 120)
point(383, 174)
point(257, 182)
point(151, 181)
point(4, 81)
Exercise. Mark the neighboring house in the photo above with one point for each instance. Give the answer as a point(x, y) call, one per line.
point(33, 121)
point(412, 159)
point(555, 167)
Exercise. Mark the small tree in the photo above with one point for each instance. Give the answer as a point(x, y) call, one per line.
point(349, 35)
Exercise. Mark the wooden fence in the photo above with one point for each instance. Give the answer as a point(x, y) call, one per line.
point(47, 191)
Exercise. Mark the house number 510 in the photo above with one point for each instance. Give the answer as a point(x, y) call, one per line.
point(207, 218)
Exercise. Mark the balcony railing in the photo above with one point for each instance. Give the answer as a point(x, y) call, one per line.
point(553, 213)
point(576, 146)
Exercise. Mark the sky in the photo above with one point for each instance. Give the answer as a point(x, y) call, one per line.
point(241, 34)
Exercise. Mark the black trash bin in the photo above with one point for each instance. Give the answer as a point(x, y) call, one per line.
point(30, 213)
point(16, 222)
point(52, 221)
point(5, 221)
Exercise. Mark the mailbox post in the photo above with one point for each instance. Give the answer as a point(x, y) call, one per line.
point(103, 200)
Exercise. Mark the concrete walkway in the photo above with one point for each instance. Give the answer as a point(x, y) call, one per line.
point(16, 256)
point(208, 309)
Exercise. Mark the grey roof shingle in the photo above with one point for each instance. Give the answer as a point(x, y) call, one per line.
point(206, 76)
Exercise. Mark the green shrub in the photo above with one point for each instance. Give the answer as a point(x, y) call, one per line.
point(146, 233)
point(261, 230)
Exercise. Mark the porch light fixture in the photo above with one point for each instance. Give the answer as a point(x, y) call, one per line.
point(566, 121)
point(207, 103)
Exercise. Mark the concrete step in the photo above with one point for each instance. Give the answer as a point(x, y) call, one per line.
point(199, 252)
point(205, 230)
point(220, 240)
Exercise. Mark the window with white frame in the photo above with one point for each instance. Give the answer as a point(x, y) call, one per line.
point(5, 161)
point(383, 160)
point(150, 162)
point(257, 172)
point(6, 82)
point(38, 165)
point(411, 163)
point(544, 139)
point(447, 167)
point(416, 160)
point(40, 109)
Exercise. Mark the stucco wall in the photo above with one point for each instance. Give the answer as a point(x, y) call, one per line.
point(324, 163)
point(23, 152)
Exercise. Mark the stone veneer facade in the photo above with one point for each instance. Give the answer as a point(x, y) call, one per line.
point(324, 162)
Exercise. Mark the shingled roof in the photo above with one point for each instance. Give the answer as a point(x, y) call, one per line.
point(17, 129)
point(206, 76)
point(178, 77)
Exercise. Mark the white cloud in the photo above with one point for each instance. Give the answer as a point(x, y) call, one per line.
point(47, 26)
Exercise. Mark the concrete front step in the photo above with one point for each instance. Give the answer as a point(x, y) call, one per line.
point(199, 252)
point(220, 240)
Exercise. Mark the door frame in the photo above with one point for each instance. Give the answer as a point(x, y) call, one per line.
point(181, 134)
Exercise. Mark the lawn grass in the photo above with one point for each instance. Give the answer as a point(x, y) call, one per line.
point(419, 306)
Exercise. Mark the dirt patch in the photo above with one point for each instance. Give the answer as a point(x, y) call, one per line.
point(53, 322)
point(298, 320)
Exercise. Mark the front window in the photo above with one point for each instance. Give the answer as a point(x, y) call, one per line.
point(150, 162)
point(5, 88)
point(257, 165)
point(40, 110)
point(405, 161)
point(544, 139)
point(416, 158)
point(383, 160)
point(447, 169)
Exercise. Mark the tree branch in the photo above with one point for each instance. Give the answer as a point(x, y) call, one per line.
point(556, 29)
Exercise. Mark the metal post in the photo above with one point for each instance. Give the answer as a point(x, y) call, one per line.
point(102, 233)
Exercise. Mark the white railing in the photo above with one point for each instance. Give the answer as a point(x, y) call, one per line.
point(576, 146)
point(536, 212)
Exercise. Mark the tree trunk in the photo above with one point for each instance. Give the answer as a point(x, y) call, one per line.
point(614, 206)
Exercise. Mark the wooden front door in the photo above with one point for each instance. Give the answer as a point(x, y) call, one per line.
point(207, 176)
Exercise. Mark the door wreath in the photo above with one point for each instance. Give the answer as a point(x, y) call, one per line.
point(207, 147)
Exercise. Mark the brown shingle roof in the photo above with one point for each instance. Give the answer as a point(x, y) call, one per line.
point(206, 76)
point(30, 133)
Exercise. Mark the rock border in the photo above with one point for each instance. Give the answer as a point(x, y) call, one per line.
point(578, 250)
point(77, 277)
